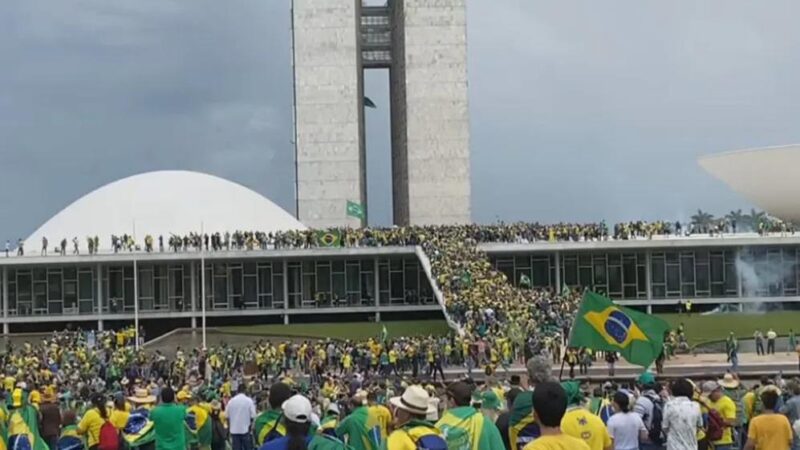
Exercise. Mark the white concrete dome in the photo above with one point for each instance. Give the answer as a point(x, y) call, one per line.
point(765, 176)
point(163, 203)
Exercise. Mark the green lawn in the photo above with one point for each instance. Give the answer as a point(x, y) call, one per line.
point(698, 328)
point(344, 330)
point(717, 326)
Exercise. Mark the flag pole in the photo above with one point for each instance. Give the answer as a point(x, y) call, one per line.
point(203, 285)
point(136, 302)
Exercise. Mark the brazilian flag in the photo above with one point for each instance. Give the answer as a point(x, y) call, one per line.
point(198, 424)
point(329, 238)
point(522, 428)
point(139, 429)
point(23, 429)
point(602, 325)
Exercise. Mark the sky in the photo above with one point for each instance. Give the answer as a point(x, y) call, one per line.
point(579, 110)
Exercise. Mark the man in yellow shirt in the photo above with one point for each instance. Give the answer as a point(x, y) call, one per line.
point(549, 407)
point(726, 408)
point(769, 431)
point(579, 423)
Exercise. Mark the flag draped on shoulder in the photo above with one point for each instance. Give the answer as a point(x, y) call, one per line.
point(522, 428)
point(602, 325)
point(139, 429)
point(465, 428)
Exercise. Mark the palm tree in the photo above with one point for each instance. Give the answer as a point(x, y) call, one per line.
point(755, 218)
point(702, 220)
point(736, 219)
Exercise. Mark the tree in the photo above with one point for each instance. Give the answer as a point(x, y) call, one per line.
point(755, 218)
point(737, 217)
point(702, 219)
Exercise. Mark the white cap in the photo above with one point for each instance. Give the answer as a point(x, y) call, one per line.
point(333, 407)
point(297, 409)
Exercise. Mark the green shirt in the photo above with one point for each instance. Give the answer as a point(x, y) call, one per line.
point(169, 423)
point(361, 431)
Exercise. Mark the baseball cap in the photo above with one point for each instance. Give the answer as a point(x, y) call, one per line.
point(297, 409)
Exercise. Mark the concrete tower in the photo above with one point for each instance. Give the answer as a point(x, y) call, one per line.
point(423, 44)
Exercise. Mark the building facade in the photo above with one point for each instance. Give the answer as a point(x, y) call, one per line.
point(423, 45)
point(652, 275)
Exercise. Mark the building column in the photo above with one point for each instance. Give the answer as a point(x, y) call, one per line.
point(286, 289)
point(378, 317)
point(377, 284)
point(193, 292)
point(99, 286)
point(286, 319)
point(648, 277)
point(5, 300)
point(558, 272)
point(739, 287)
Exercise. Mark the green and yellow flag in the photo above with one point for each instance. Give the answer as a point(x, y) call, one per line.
point(330, 238)
point(602, 325)
point(356, 210)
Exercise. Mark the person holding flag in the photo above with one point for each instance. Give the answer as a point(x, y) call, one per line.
point(23, 427)
point(602, 325)
point(463, 426)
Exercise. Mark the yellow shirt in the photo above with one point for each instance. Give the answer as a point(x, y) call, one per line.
point(557, 442)
point(770, 432)
point(8, 383)
point(384, 417)
point(580, 423)
point(727, 409)
point(406, 438)
point(90, 426)
point(118, 418)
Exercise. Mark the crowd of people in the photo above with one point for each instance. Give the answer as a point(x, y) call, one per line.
point(97, 391)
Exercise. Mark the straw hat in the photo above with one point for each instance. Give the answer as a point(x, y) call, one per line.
point(414, 400)
point(729, 381)
point(142, 396)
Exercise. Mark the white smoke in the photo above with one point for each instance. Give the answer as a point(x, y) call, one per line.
point(759, 280)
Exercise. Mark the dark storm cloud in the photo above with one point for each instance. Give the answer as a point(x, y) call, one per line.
point(581, 110)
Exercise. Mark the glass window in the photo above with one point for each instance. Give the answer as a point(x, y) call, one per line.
point(294, 280)
point(396, 289)
point(658, 271)
point(86, 285)
point(236, 281)
point(614, 280)
point(717, 267)
point(629, 270)
point(338, 285)
point(323, 278)
point(277, 281)
point(731, 285)
point(250, 290)
point(701, 278)
point(265, 280)
point(687, 269)
point(585, 275)
point(673, 278)
point(411, 278)
point(570, 271)
point(599, 272)
point(614, 259)
point(338, 265)
point(383, 277)
point(54, 286)
point(541, 274)
point(145, 283)
point(352, 278)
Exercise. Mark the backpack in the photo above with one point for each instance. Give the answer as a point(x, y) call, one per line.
point(109, 437)
point(656, 433)
point(716, 425)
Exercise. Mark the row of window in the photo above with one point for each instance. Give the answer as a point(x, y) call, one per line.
point(228, 286)
point(702, 273)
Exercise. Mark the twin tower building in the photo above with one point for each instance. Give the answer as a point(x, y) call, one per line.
point(423, 45)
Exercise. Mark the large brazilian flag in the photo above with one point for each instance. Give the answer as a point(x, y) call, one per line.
point(199, 425)
point(328, 238)
point(23, 429)
point(602, 325)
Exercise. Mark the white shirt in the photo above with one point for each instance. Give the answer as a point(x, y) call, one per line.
point(682, 418)
point(241, 410)
point(624, 429)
